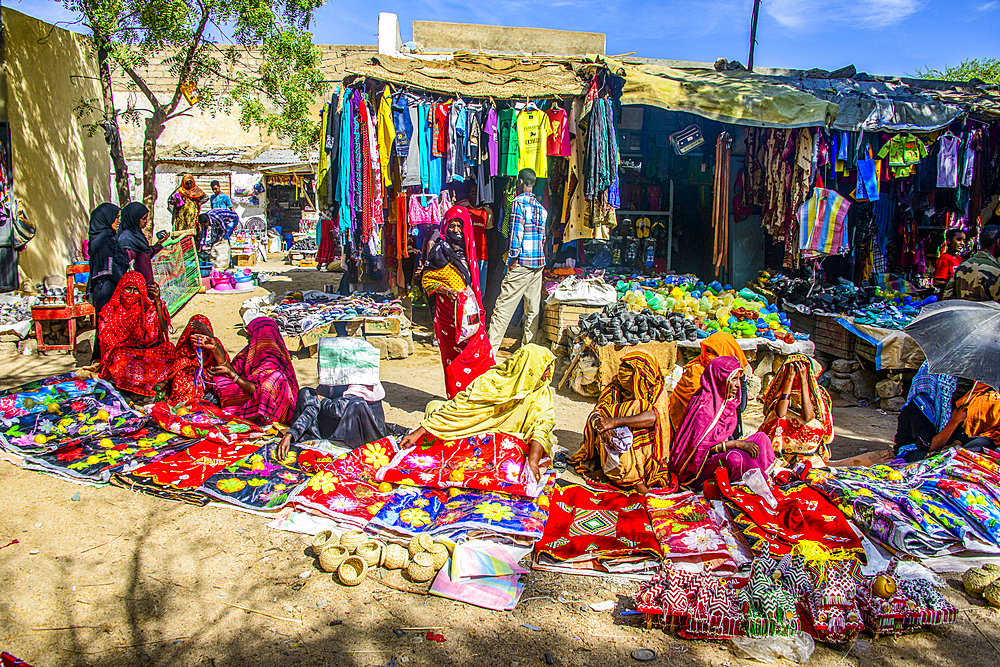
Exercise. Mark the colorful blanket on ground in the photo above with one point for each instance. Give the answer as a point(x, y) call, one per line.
point(586, 525)
point(260, 481)
point(802, 514)
point(97, 459)
point(179, 475)
point(37, 420)
point(686, 530)
point(202, 420)
point(492, 462)
point(941, 505)
point(345, 489)
point(431, 511)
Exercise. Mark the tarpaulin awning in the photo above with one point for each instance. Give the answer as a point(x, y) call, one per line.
point(471, 75)
point(739, 98)
point(869, 105)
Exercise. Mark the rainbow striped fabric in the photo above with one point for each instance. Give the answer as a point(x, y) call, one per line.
point(823, 224)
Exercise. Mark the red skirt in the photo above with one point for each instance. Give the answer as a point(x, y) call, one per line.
point(463, 361)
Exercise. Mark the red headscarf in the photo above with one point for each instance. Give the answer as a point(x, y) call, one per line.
point(128, 320)
point(462, 213)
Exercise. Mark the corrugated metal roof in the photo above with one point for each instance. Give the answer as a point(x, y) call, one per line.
point(270, 156)
point(284, 156)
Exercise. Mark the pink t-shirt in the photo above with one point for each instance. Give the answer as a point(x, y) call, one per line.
point(558, 143)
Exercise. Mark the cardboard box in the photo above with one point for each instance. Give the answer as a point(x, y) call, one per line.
point(245, 259)
point(388, 326)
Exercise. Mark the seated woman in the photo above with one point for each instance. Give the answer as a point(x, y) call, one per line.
point(465, 349)
point(348, 414)
point(197, 350)
point(627, 439)
point(513, 397)
point(703, 441)
point(132, 330)
point(974, 424)
point(799, 412)
point(719, 344)
point(260, 384)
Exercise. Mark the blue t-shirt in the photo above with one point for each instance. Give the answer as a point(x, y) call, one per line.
point(221, 200)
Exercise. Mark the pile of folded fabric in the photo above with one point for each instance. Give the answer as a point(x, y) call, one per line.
point(298, 313)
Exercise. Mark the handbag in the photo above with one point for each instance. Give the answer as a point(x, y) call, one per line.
point(687, 140)
point(467, 317)
point(23, 231)
point(867, 186)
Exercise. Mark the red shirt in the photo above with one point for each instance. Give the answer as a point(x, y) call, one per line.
point(946, 265)
point(478, 216)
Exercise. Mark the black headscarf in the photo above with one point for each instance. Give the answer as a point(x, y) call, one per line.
point(104, 245)
point(130, 234)
point(450, 249)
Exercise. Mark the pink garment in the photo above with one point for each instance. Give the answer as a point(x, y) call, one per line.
point(369, 392)
point(265, 363)
point(709, 420)
point(558, 142)
point(462, 213)
point(737, 462)
point(423, 214)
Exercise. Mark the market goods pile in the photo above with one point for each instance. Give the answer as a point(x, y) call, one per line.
point(885, 307)
point(300, 312)
point(688, 311)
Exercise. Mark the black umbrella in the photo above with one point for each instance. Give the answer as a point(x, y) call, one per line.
point(960, 338)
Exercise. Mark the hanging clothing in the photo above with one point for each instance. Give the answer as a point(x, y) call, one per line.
point(558, 143)
point(266, 364)
point(720, 202)
point(646, 458)
point(710, 420)
point(719, 344)
point(507, 119)
point(386, 132)
point(135, 353)
point(792, 437)
point(947, 171)
point(514, 397)
point(449, 273)
point(533, 130)
point(823, 228)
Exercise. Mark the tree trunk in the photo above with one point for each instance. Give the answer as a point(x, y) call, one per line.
point(154, 128)
point(111, 116)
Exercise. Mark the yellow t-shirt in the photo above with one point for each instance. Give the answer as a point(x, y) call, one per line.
point(533, 130)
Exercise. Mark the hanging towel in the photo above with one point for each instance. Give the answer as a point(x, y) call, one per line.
point(823, 224)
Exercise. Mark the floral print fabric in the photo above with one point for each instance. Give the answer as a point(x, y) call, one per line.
point(202, 420)
point(686, 530)
point(488, 462)
point(98, 458)
point(260, 481)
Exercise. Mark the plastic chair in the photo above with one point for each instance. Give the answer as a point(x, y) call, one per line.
point(68, 311)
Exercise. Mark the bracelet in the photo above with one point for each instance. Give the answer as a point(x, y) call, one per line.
point(785, 397)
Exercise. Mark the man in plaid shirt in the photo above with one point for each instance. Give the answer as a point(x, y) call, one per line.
point(525, 263)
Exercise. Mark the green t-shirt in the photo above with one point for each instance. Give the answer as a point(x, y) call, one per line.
point(507, 118)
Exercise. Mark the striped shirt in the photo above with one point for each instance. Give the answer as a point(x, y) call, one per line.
point(527, 236)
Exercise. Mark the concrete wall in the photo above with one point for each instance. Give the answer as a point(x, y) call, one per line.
point(439, 36)
point(59, 172)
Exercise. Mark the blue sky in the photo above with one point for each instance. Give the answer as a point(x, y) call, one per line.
point(893, 37)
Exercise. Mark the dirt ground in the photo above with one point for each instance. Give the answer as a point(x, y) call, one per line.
point(103, 576)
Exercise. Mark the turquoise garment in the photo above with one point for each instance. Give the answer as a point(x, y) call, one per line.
point(424, 135)
point(344, 168)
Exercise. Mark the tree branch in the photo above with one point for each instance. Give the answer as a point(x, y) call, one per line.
point(137, 80)
point(185, 70)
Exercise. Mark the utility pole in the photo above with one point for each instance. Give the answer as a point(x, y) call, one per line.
point(753, 32)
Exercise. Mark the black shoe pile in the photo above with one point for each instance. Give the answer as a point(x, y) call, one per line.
point(618, 326)
point(836, 299)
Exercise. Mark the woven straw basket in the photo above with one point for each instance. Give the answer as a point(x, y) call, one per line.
point(370, 552)
point(394, 557)
point(352, 539)
point(977, 579)
point(323, 539)
point(352, 571)
point(419, 543)
point(439, 553)
point(421, 568)
point(331, 557)
point(992, 594)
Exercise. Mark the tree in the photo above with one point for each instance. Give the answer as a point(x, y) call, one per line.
point(986, 70)
point(254, 57)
